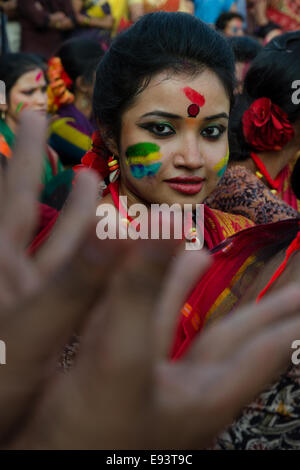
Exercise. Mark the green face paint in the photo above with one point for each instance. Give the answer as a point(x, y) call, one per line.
point(19, 107)
point(220, 168)
point(140, 158)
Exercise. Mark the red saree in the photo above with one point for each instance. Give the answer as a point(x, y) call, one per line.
point(285, 191)
point(236, 263)
point(285, 13)
point(217, 227)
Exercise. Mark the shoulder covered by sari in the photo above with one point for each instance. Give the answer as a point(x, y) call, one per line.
point(219, 225)
point(241, 192)
point(236, 264)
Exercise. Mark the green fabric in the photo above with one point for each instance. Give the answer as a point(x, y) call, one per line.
point(10, 139)
point(7, 133)
point(57, 190)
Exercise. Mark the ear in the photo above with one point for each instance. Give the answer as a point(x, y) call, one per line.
point(80, 85)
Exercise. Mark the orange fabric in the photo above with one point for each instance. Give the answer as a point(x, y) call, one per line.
point(159, 5)
point(4, 147)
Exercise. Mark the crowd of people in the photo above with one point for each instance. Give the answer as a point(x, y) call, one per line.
point(145, 343)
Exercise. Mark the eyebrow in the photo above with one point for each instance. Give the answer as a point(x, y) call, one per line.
point(176, 116)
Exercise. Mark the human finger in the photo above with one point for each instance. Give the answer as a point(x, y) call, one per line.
point(74, 221)
point(234, 330)
point(23, 177)
point(183, 273)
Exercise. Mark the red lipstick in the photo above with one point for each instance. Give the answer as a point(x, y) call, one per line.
point(186, 184)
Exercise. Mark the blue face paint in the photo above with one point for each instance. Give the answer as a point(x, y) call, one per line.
point(140, 171)
point(222, 171)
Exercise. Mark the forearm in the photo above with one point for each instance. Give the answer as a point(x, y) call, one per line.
point(31, 12)
point(136, 11)
point(260, 12)
point(9, 6)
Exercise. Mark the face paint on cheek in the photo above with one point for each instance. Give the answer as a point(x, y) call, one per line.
point(197, 100)
point(39, 76)
point(220, 168)
point(19, 107)
point(140, 159)
point(140, 171)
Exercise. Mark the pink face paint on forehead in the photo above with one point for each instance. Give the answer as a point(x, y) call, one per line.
point(194, 96)
point(39, 76)
point(197, 100)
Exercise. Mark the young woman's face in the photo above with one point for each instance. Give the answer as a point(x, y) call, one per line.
point(29, 91)
point(174, 139)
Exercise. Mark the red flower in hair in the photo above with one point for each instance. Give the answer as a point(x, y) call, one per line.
point(96, 158)
point(266, 126)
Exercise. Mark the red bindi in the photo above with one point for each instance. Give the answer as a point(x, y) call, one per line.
point(193, 110)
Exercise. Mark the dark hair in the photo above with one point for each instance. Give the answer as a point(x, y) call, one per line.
point(14, 65)
point(80, 58)
point(245, 48)
point(178, 42)
point(224, 18)
point(263, 31)
point(271, 75)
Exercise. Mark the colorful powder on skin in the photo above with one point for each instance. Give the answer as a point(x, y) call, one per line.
point(197, 100)
point(19, 107)
point(222, 165)
point(143, 149)
point(140, 158)
point(39, 76)
point(140, 171)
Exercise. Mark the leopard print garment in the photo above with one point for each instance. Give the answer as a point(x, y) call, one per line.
point(241, 192)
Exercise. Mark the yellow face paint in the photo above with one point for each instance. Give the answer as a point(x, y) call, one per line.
point(141, 160)
point(220, 167)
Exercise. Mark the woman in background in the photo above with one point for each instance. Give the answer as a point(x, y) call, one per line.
point(26, 87)
point(264, 135)
point(71, 75)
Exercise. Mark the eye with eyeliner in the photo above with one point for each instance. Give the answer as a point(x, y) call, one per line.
point(217, 131)
point(159, 129)
point(33, 90)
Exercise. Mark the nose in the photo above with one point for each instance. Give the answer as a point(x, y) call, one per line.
point(189, 154)
point(41, 98)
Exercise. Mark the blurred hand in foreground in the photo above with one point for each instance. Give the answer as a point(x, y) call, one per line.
point(123, 392)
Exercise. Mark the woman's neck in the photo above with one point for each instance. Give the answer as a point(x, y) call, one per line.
point(274, 161)
point(83, 104)
point(12, 124)
point(131, 197)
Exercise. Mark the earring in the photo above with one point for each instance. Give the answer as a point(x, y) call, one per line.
point(85, 102)
point(114, 170)
point(3, 115)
